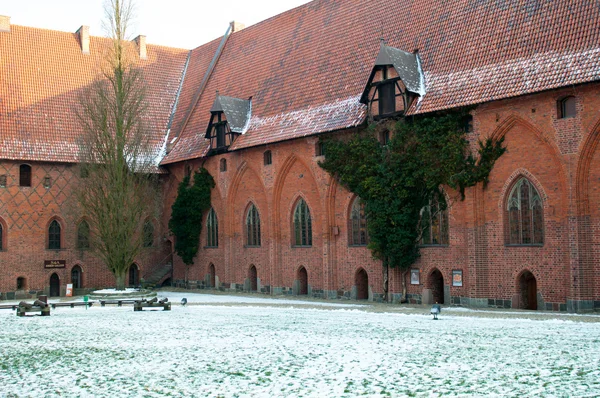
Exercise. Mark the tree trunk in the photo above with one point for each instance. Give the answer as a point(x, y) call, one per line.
point(185, 276)
point(403, 298)
point(386, 274)
point(121, 280)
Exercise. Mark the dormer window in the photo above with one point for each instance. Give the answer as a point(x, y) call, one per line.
point(230, 118)
point(395, 82)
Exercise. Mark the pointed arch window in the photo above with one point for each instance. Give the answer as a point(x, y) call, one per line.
point(525, 215)
point(148, 234)
point(358, 224)
point(253, 226)
point(212, 227)
point(83, 235)
point(434, 222)
point(302, 225)
point(54, 231)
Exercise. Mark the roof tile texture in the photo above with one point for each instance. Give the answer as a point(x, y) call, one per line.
point(315, 60)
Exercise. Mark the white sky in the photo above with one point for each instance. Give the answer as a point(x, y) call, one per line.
point(176, 23)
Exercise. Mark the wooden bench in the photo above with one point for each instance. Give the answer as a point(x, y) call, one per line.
point(38, 306)
point(139, 305)
point(72, 305)
point(116, 302)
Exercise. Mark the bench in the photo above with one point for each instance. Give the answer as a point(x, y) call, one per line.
point(72, 305)
point(139, 305)
point(38, 306)
point(116, 302)
point(9, 307)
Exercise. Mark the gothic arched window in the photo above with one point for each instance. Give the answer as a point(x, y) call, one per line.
point(148, 234)
point(302, 225)
point(54, 235)
point(358, 224)
point(253, 227)
point(434, 222)
point(525, 215)
point(83, 235)
point(212, 227)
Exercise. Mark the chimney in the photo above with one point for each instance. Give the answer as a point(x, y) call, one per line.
point(84, 38)
point(141, 43)
point(4, 23)
point(236, 26)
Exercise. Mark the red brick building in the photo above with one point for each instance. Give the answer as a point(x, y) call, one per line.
point(251, 106)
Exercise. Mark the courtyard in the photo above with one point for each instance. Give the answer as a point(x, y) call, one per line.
point(250, 346)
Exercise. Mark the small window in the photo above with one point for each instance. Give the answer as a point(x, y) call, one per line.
point(47, 182)
point(148, 233)
point(223, 165)
point(320, 149)
point(25, 175)
point(212, 227)
point(268, 159)
point(469, 124)
point(83, 235)
point(302, 225)
point(3, 181)
point(384, 137)
point(21, 283)
point(84, 171)
point(54, 235)
point(387, 98)
point(253, 227)
point(567, 107)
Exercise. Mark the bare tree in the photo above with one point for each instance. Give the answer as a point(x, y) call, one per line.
point(117, 192)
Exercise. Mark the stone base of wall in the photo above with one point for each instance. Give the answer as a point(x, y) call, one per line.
point(582, 305)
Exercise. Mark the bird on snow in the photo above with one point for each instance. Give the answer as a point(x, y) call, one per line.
point(183, 301)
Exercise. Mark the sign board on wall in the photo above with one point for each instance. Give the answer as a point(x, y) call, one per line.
point(414, 276)
point(55, 263)
point(457, 277)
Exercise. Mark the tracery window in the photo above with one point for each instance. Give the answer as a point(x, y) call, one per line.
point(54, 235)
point(83, 235)
point(212, 227)
point(525, 215)
point(434, 222)
point(358, 224)
point(302, 225)
point(253, 226)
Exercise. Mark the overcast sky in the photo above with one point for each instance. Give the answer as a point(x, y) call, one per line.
point(175, 23)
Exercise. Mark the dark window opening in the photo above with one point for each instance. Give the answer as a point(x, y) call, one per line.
point(268, 158)
point(253, 227)
point(76, 279)
point(212, 227)
point(54, 235)
point(387, 98)
point(223, 165)
point(302, 225)
point(320, 149)
point(220, 131)
point(21, 283)
point(134, 275)
point(3, 181)
point(384, 137)
point(47, 182)
point(525, 215)
point(148, 234)
point(25, 175)
point(567, 107)
point(83, 235)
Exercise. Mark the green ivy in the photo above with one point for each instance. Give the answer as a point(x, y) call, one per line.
point(186, 214)
point(398, 179)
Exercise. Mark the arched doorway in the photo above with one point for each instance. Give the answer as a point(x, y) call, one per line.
point(134, 275)
point(76, 277)
point(437, 286)
point(361, 281)
point(253, 276)
point(54, 285)
point(302, 277)
point(212, 276)
point(527, 291)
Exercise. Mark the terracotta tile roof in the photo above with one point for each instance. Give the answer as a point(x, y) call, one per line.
point(42, 75)
point(312, 62)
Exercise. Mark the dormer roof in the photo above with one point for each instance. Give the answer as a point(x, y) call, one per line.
point(406, 64)
point(237, 111)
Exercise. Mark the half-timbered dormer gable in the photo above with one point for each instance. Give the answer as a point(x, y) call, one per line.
point(395, 81)
point(229, 118)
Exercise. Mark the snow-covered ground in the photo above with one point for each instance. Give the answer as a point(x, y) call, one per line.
point(235, 346)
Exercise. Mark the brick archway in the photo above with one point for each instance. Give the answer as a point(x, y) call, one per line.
point(527, 291)
point(54, 285)
point(361, 281)
point(253, 276)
